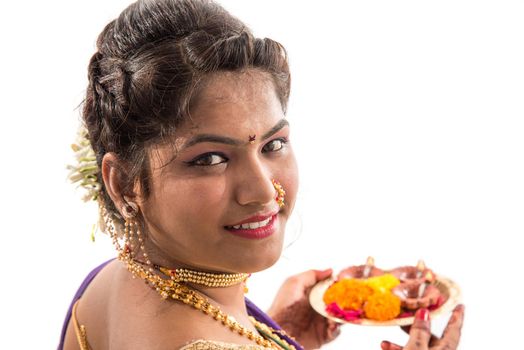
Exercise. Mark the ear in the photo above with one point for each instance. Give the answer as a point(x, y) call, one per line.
point(113, 174)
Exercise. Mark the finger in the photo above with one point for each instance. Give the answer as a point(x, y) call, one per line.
point(303, 282)
point(333, 330)
point(314, 276)
point(322, 274)
point(386, 345)
point(309, 278)
point(432, 341)
point(420, 332)
point(451, 335)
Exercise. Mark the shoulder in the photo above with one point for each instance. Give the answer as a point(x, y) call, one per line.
point(91, 301)
point(115, 304)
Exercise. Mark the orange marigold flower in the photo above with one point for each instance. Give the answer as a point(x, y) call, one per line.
point(348, 293)
point(382, 306)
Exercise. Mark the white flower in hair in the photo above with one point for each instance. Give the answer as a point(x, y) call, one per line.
point(85, 172)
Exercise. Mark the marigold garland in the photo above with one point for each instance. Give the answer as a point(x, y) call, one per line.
point(370, 297)
point(382, 306)
point(348, 293)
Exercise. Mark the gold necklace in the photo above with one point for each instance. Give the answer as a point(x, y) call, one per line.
point(181, 292)
point(168, 288)
point(207, 279)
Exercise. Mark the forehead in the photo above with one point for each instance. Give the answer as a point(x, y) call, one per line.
point(227, 86)
point(227, 99)
point(230, 104)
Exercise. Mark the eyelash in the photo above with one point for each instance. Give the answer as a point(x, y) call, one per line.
point(201, 157)
point(283, 140)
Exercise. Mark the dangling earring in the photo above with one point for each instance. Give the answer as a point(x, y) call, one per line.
point(280, 193)
point(129, 212)
point(132, 230)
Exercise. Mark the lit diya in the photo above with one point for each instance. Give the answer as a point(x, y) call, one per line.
point(361, 271)
point(416, 290)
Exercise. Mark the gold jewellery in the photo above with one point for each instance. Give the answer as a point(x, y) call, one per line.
point(169, 289)
point(175, 288)
point(280, 193)
point(207, 279)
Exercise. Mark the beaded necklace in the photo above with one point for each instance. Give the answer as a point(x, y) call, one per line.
point(203, 278)
point(169, 289)
point(172, 289)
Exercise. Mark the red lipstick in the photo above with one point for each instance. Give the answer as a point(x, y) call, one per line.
point(255, 233)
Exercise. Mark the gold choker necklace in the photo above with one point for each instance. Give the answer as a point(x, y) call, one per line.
point(207, 279)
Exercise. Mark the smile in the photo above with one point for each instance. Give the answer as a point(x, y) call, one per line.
point(252, 225)
point(255, 229)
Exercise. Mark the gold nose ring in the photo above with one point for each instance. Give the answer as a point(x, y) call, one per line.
point(280, 193)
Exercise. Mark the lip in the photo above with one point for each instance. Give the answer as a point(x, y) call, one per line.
point(256, 233)
point(256, 218)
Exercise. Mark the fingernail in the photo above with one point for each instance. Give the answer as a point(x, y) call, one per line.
point(460, 308)
point(385, 345)
point(422, 315)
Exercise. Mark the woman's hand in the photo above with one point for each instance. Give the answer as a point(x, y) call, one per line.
point(420, 337)
point(292, 311)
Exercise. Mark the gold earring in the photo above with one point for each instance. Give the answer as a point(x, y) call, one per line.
point(280, 193)
point(129, 209)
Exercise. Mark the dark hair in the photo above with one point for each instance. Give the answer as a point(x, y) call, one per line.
point(148, 66)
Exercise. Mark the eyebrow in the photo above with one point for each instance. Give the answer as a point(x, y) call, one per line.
point(231, 141)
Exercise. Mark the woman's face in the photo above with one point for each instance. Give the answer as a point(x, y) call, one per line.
point(219, 180)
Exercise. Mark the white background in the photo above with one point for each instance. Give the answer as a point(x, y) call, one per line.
point(407, 121)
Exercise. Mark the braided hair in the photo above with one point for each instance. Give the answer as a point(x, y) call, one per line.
point(149, 64)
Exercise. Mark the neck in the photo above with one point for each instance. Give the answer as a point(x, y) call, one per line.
point(230, 298)
point(225, 304)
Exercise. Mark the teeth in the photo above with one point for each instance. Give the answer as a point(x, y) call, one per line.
point(253, 225)
point(265, 222)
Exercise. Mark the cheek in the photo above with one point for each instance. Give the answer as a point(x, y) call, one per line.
point(186, 203)
point(206, 199)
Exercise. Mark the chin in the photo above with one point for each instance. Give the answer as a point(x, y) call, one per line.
point(264, 263)
point(267, 257)
point(257, 258)
point(254, 255)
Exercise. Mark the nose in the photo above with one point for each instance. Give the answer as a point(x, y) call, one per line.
point(254, 186)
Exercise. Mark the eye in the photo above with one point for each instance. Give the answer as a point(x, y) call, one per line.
point(274, 145)
point(208, 159)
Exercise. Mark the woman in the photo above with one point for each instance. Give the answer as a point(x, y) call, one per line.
point(196, 178)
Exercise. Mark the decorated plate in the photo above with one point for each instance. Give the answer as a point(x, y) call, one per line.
point(448, 289)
